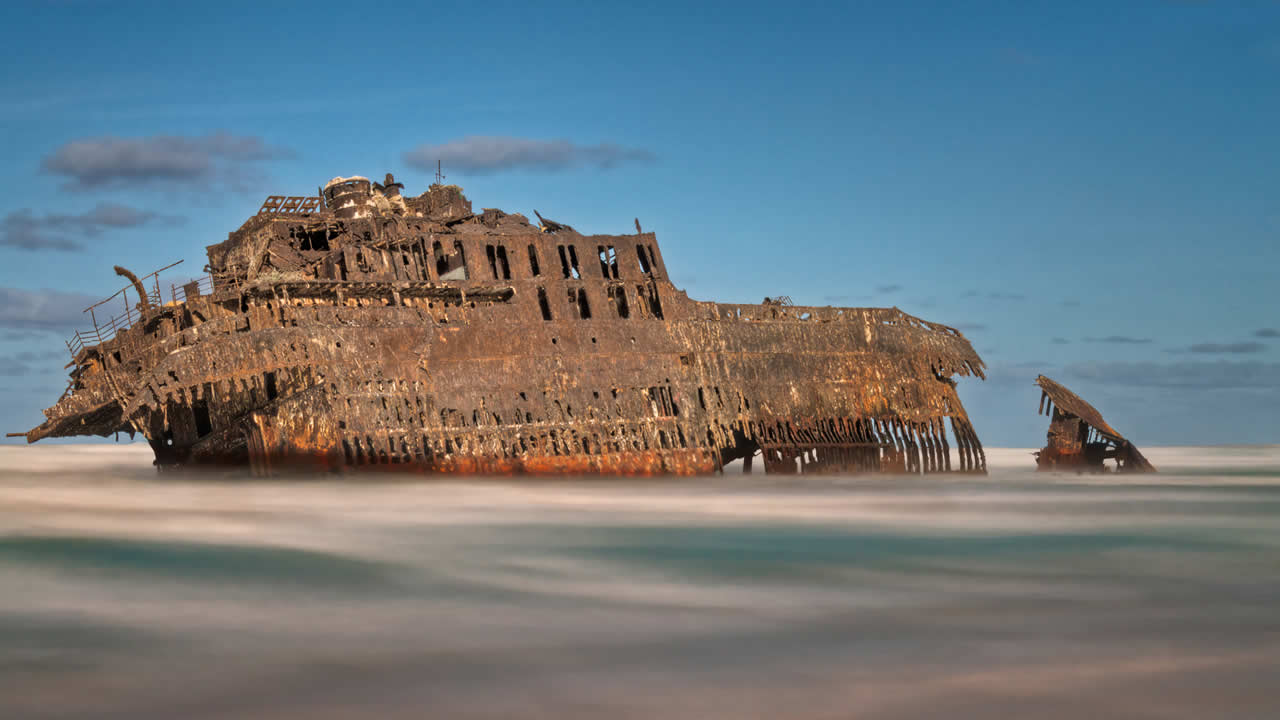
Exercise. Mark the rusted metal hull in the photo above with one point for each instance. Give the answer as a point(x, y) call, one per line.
point(442, 341)
point(496, 399)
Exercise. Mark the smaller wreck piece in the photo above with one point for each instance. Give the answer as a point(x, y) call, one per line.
point(1079, 439)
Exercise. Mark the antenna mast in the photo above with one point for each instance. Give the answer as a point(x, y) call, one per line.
point(439, 175)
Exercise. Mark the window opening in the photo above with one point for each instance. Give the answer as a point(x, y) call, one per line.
point(608, 261)
point(578, 298)
point(619, 296)
point(649, 296)
point(200, 409)
point(493, 260)
point(533, 261)
point(573, 263)
point(502, 262)
point(454, 265)
point(542, 303)
point(314, 240)
point(564, 260)
point(442, 260)
point(644, 260)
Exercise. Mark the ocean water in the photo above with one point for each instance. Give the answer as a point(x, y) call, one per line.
point(124, 594)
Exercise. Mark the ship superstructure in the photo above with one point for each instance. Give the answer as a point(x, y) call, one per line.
point(363, 329)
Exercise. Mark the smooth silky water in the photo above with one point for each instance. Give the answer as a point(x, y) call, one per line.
point(132, 595)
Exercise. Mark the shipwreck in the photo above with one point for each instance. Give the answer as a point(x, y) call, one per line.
point(1079, 439)
point(362, 329)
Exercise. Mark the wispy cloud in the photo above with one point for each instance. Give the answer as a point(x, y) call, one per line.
point(218, 159)
point(1060, 341)
point(42, 309)
point(969, 327)
point(886, 289)
point(1222, 374)
point(26, 230)
point(1119, 340)
point(1237, 348)
point(1267, 333)
point(11, 367)
point(1017, 374)
point(28, 363)
point(484, 154)
point(995, 295)
point(21, 335)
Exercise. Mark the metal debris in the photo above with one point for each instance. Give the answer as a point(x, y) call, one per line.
point(1079, 439)
point(364, 330)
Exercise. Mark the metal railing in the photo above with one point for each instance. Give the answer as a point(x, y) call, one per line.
point(280, 204)
point(203, 286)
point(106, 330)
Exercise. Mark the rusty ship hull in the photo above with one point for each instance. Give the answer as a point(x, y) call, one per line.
point(362, 330)
point(1079, 439)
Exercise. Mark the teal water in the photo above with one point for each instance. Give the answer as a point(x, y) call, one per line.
point(127, 595)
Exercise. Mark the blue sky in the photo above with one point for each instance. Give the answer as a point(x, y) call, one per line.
point(1088, 190)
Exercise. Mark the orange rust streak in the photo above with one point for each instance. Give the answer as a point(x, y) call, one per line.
point(634, 464)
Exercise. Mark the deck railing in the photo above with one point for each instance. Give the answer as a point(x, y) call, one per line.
point(203, 286)
point(105, 330)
